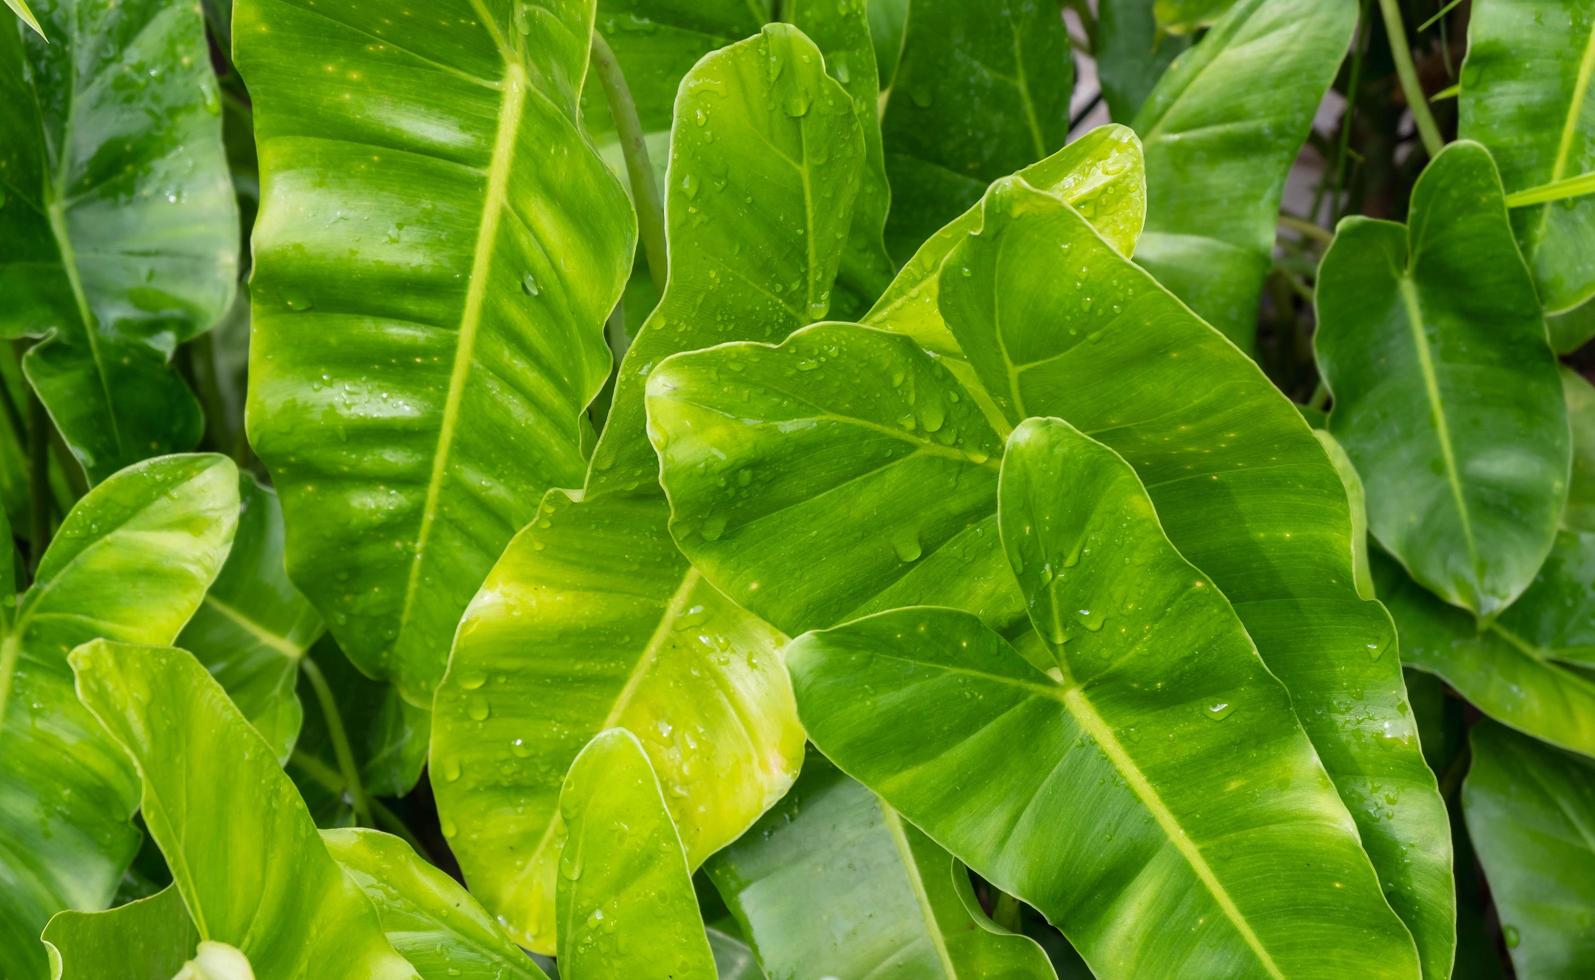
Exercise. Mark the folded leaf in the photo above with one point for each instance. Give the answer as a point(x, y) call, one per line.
point(1526, 89)
point(243, 851)
point(1530, 810)
point(430, 920)
point(625, 892)
point(1160, 695)
point(254, 626)
point(419, 373)
point(149, 939)
point(832, 882)
point(1445, 395)
point(1221, 131)
point(761, 188)
point(981, 90)
point(131, 562)
point(118, 230)
point(593, 620)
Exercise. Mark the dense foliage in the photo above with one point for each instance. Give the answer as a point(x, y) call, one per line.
point(797, 489)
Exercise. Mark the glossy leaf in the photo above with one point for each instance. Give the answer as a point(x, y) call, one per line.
point(254, 626)
point(419, 373)
point(1445, 395)
point(1221, 131)
point(243, 851)
point(430, 920)
point(1143, 874)
point(759, 202)
point(626, 904)
point(131, 562)
point(832, 882)
point(1242, 488)
point(593, 620)
point(1132, 52)
point(1530, 810)
point(149, 939)
point(118, 230)
point(981, 90)
point(1526, 95)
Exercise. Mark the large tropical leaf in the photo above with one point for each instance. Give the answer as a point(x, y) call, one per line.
point(131, 562)
point(1446, 396)
point(254, 626)
point(840, 474)
point(418, 374)
point(832, 882)
point(118, 228)
point(1526, 95)
point(593, 620)
point(761, 189)
point(981, 90)
point(1221, 131)
point(430, 920)
point(1159, 697)
point(243, 851)
point(149, 939)
point(626, 904)
point(1531, 814)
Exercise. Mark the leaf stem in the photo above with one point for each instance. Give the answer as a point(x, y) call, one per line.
point(1407, 73)
point(1005, 912)
point(1556, 190)
point(330, 780)
point(38, 480)
point(1304, 227)
point(340, 741)
point(1320, 398)
point(639, 168)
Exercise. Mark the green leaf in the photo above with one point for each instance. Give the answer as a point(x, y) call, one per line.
point(1357, 498)
point(149, 939)
point(1189, 15)
point(878, 515)
point(1526, 88)
point(759, 200)
point(243, 851)
point(1445, 395)
point(626, 904)
point(733, 959)
point(1158, 695)
point(419, 373)
point(1221, 131)
point(832, 882)
point(981, 90)
point(118, 231)
point(430, 920)
point(593, 620)
point(1580, 397)
point(888, 19)
point(131, 562)
point(1530, 810)
point(1132, 53)
point(1101, 174)
point(216, 961)
point(254, 626)
point(20, 8)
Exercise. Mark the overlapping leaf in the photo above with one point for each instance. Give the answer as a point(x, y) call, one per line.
point(841, 474)
point(626, 904)
point(980, 90)
point(118, 228)
point(131, 562)
point(419, 373)
point(1159, 696)
point(1221, 131)
point(1531, 814)
point(1527, 95)
point(1446, 396)
point(833, 882)
point(1132, 52)
point(244, 854)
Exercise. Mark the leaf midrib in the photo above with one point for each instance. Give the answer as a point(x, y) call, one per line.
point(1575, 109)
point(495, 202)
point(916, 882)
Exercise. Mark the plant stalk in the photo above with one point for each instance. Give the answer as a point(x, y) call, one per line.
point(639, 168)
point(340, 741)
point(332, 781)
point(1407, 72)
point(38, 481)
